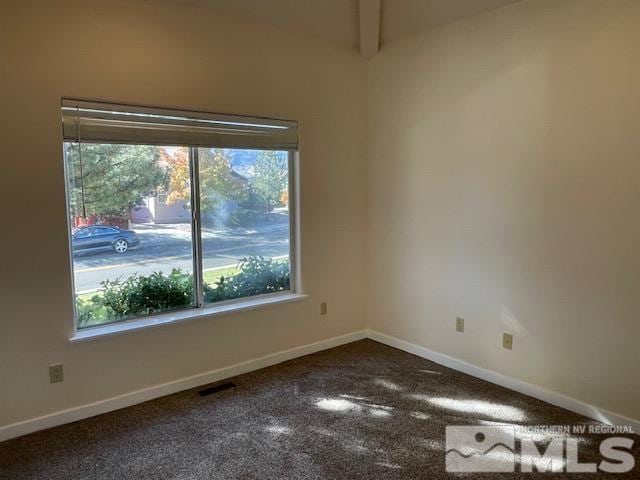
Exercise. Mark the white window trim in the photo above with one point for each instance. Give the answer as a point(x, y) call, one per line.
point(180, 316)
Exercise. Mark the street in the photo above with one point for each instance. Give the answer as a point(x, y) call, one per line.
point(164, 247)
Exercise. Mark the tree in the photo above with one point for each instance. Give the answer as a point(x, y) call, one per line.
point(270, 177)
point(179, 184)
point(218, 181)
point(111, 179)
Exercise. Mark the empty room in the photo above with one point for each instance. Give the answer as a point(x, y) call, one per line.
point(320, 239)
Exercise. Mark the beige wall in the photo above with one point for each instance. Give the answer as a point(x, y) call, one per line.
point(161, 53)
point(505, 188)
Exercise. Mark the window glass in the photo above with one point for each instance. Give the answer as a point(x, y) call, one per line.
point(145, 265)
point(244, 208)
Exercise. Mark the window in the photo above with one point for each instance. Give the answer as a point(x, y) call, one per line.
point(173, 210)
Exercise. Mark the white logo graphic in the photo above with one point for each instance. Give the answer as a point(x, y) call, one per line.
point(493, 449)
point(480, 449)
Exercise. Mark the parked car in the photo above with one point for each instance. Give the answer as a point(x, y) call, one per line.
point(97, 238)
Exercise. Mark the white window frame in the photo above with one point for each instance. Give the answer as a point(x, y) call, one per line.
point(200, 309)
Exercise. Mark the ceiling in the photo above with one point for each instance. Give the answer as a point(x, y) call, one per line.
point(407, 17)
point(334, 20)
point(338, 20)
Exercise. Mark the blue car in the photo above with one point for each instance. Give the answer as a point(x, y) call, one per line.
point(98, 238)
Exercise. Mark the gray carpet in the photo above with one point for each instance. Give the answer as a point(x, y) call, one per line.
point(362, 410)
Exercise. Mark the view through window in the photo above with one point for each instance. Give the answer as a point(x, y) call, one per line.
point(137, 248)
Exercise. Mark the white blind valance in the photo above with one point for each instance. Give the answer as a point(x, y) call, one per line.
point(100, 122)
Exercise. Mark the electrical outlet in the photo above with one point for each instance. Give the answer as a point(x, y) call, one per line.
point(459, 324)
point(507, 341)
point(56, 373)
point(323, 308)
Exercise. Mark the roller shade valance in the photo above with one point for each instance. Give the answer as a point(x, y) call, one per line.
point(100, 122)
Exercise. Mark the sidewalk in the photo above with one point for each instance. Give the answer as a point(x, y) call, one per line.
point(184, 229)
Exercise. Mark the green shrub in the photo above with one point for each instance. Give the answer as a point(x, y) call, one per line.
point(244, 217)
point(92, 311)
point(257, 275)
point(145, 295)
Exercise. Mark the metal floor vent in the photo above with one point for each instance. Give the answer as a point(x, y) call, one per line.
point(216, 388)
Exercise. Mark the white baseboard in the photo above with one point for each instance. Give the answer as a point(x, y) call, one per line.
point(139, 396)
point(511, 383)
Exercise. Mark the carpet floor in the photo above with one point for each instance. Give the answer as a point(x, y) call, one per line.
point(359, 411)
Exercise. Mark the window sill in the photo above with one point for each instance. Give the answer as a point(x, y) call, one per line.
point(93, 333)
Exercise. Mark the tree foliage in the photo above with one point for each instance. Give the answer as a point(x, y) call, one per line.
point(179, 184)
point(217, 179)
point(112, 178)
point(249, 197)
point(270, 177)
